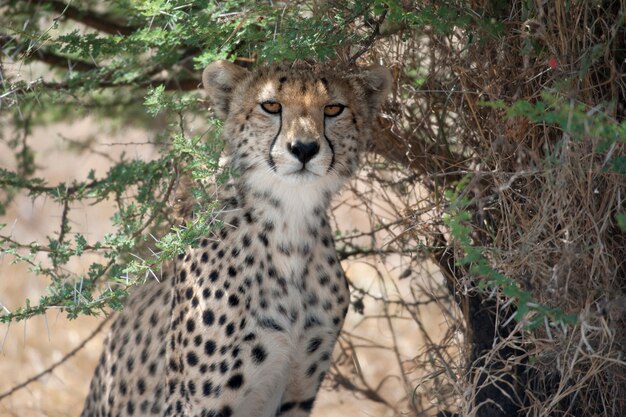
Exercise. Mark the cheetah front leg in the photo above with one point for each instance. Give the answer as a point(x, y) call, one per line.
point(307, 376)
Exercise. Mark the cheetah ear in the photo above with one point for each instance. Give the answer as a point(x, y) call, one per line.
point(377, 81)
point(219, 80)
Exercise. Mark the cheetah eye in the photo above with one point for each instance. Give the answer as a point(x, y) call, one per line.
point(333, 110)
point(271, 107)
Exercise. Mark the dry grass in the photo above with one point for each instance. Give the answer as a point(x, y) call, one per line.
point(543, 199)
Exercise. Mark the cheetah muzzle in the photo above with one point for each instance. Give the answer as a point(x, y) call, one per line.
point(245, 324)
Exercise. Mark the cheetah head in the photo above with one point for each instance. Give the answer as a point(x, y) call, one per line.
point(296, 124)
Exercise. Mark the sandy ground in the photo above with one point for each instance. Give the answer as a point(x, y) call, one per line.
point(28, 348)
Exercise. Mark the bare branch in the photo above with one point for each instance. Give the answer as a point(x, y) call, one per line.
point(58, 363)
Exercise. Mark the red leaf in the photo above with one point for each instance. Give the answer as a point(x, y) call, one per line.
point(553, 64)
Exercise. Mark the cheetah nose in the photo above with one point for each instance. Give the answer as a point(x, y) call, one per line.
point(304, 151)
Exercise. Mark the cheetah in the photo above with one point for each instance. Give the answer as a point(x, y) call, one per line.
point(244, 324)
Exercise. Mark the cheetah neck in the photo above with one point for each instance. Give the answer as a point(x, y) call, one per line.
point(292, 198)
point(294, 217)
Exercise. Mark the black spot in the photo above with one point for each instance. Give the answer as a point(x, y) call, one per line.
point(123, 387)
point(235, 381)
point(226, 411)
point(246, 241)
point(130, 408)
point(192, 358)
point(258, 354)
point(311, 370)
point(189, 293)
point(249, 337)
point(263, 239)
point(206, 293)
point(204, 258)
point(191, 325)
point(232, 272)
point(207, 388)
point(324, 279)
point(230, 329)
point(154, 319)
point(219, 294)
point(314, 344)
point(223, 367)
point(141, 386)
point(209, 347)
point(208, 317)
point(233, 300)
point(213, 276)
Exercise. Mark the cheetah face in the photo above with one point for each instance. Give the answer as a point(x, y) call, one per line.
point(296, 122)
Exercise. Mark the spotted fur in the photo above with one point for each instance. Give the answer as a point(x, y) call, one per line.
point(244, 325)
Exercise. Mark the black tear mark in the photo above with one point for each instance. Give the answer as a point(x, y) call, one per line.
point(270, 159)
point(332, 149)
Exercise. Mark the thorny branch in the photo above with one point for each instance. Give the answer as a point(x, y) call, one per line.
point(46, 56)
